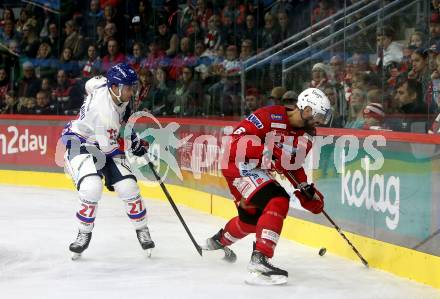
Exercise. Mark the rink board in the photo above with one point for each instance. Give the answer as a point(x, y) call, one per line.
point(421, 267)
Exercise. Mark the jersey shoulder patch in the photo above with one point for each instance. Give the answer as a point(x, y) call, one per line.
point(255, 120)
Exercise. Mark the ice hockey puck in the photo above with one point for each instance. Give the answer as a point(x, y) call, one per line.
point(322, 251)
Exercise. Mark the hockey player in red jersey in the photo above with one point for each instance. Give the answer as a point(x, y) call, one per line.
point(272, 138)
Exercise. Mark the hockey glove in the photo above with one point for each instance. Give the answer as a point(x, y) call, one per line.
point(139, 147)
point(136, 145)
point(310, 198)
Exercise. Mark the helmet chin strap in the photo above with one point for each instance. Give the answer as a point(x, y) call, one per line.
point(118, 97)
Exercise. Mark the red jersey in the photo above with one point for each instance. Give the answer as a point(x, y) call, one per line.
point(266, 120)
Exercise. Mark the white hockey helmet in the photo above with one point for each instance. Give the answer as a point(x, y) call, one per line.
point(318, 101)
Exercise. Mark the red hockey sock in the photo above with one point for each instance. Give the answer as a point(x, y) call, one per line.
point(235, 230)
point(270, 224)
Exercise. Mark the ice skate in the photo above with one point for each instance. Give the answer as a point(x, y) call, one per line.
point(214, 243)
point(145, 240)
point(262, 272)
point(81, 243)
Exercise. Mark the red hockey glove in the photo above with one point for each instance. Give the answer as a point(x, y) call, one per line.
point(310, 198)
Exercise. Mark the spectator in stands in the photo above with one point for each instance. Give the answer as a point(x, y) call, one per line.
point(8, 15)
point(136, 59)
point(360, 63)
point(325, 9)
point(252, 101)
point(44, 24)
point(44, 63)
point(289, 98)
point(434, 29)
point(388, 50)
point(337, 70)
point(187, 95)
point(231, 65)
point(8, 32)
point(74, 40)
point(67, 96)
point(420, 71)
point(213, 38)
point(9, 106)
point(146, 85)
point(320, 75)
point(203, 13)
point(337, 119)
point(29, 42)
point(46, 86)
point(5, 84)
point(66, 63)
point(53, 39)
point(417, 40)
point(92, 17)
point(166, 40)
point(26, 105)
point(409, 97)
point(109, 14)
point(92, 65)
point(138, 34)
point(276, 96)
point(281, 5)
point(22, 20)
point(247, 49)
point(358, 101)
point(101, 42)
point(164, 88)
point(113, 57)
point(43, 105)
point(270, 35)
point(284, 24)
point(155, 56)
point(110, 32)
point(183, 57)
point(374, 116)
point(250, 32)
point(29, 85)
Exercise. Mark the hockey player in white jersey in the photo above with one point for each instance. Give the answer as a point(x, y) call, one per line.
point(93, 152)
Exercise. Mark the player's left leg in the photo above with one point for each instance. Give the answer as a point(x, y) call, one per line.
point(273, 200)
point(118, 177)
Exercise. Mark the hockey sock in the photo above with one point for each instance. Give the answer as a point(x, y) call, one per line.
point(270, 224)
point(136, 211)
point(235, 230)
point(86, 215)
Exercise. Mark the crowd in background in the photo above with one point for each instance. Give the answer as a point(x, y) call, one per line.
point(189, 54)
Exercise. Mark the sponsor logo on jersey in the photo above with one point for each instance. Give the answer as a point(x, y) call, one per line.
point(278, 126)
point(255, 120)
point(277, 117)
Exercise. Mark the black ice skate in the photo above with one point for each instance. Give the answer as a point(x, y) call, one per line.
point(81, 243)
point(214, 243)
point(145, 240)
point(262, 272)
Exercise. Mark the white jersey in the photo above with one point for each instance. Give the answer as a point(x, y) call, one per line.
point(100, 119)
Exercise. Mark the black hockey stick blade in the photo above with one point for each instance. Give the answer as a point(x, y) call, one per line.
point(176, 210)
point(363, 260)
point(338, 229)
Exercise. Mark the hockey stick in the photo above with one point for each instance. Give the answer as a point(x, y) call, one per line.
point(173, 205)
point(338, 229)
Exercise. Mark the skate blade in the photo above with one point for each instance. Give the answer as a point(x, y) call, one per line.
point(148, 252)
point(256, 278)
point(75, 256)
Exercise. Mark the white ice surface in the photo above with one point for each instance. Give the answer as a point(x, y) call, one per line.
point(37, 225)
